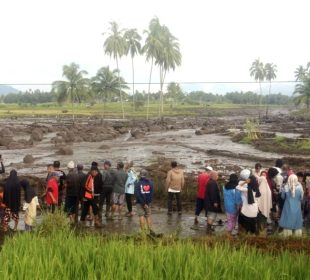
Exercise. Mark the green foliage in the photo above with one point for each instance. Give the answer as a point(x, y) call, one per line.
point(302, 91)
point(64, 255)
point(280, 139)
point(252, 129)
point(304, 145)
point(74, 88)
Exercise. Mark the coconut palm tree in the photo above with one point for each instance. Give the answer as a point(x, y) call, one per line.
point(302, 91)
point(270, 74)
point(168, 59)
point(151, 49)
point(115, 46)
point(257, 71)
point(133, 46)
point(300, 73)
point(73, 87)
point(106, 83)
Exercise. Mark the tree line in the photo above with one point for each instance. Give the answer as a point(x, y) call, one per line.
point(173, 95)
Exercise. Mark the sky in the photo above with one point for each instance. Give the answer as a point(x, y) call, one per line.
point(218, 39)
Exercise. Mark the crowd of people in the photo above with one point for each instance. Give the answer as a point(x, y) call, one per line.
point(252, 199)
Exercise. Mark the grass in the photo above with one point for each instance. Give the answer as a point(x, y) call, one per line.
point(114, 110)
point(64, 254)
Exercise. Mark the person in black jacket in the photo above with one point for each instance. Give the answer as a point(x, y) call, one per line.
point(11, 199)
point(212, 200)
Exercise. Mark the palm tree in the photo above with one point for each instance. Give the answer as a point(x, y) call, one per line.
point(258, 72)
point(302, 91)
point(115, 46)
point(300, 73)
point(270, 72)
point(133, 45)
point(151, 49)
point(106, 84)
point(168, 58)
point(74, 86)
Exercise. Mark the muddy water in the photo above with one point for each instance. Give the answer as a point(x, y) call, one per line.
point(189, 149)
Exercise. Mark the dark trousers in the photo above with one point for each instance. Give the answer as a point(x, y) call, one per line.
point(129, 201)
point(170, 199)
point(85, 209)
point(106, 197)
point(249, 224)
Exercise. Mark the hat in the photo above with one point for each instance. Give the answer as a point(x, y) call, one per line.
point(71, 165)
point(143, 173)
point(94, 163)
point(245, 174)
point(107, 162)
point(209, 168)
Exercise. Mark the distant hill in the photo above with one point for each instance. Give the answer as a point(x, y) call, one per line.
point(7, 89)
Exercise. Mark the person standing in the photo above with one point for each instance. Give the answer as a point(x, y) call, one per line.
point(232, 202)
point(107, 187)
point(212, 200)
point(2, 170)
point(11, 199)
point(30, 206)
point(61, 181)
point(291, 217)
point(130, 187)
point(257, 170)
point(248, 187)
point(203, 179)
point(72, 187)
point(51, 197)
point(144, 190)
point(89, 197)
point(264, 202)
point(174, 184)
point(118, 196)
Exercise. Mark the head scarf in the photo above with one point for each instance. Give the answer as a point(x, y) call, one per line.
point(29, 191)
point(245, 174)
point(11, 196)
point(232, 183)
point(292, 184)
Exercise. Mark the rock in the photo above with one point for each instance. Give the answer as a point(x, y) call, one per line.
point(198, 132)
point(104, 147)
point(29, 159)
point(36, 135)
point(155, 128)
point(136, 133)
point(5, 141)
point(65, 151)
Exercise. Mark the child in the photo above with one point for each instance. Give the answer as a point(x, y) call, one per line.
point(144, 193)
point(51, 197)
point(232, 202)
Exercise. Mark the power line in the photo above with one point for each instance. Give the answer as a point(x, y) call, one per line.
point(157, 83)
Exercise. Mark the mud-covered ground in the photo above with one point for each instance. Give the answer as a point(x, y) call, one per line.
point(29, 144)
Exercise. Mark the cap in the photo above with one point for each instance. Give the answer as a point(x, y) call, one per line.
point(71, 165)
point(209, 168)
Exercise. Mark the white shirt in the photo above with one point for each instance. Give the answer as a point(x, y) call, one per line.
point(248, 210)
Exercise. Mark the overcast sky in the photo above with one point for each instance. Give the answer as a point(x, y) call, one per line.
point(219, 39)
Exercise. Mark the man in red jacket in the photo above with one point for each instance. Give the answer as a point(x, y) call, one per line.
point(203, 179)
